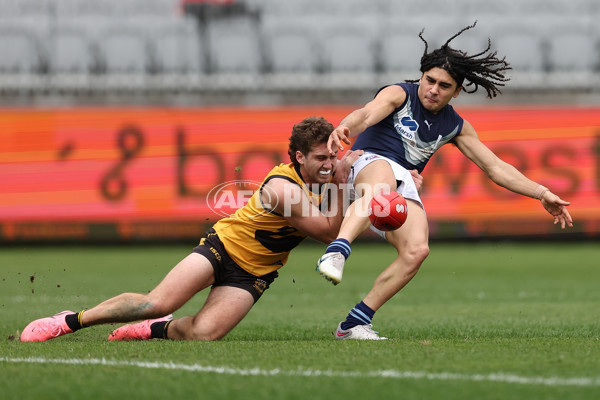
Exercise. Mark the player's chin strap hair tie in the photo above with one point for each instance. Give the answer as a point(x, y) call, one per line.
point(539, 192)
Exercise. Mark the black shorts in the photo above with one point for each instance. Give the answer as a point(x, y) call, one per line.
point(228, 272)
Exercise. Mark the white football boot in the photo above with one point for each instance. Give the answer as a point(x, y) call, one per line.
point(359, 332)
point(331, 266)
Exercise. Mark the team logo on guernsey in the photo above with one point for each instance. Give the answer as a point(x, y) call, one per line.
point(260, 285)
point(226, 198)
point(407, 128)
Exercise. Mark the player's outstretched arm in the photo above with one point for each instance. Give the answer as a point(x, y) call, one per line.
point(507, 176)
point(384, 103)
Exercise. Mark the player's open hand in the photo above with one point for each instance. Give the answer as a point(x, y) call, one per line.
point(339, 135)
point(557, 207)
point(343, 166)
point(418, 178)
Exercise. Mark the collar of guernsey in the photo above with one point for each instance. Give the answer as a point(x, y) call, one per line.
point(258, 239)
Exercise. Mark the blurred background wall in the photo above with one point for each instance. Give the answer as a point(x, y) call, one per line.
point(118, 117)
point(282, 52)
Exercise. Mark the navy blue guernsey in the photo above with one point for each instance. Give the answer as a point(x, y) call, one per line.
point(411, 134)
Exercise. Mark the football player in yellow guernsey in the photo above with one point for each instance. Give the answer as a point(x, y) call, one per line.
point(238, 259)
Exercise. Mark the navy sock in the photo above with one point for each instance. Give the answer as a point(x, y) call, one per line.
point(341, 246)
point(361, 314)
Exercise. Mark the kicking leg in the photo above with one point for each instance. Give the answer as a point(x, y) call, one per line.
point(411, 243)
point(376, 177)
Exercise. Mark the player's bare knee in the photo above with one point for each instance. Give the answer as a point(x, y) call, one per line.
point(421, 253)
point(205, 334)
point(158, 306)
point(415, 256)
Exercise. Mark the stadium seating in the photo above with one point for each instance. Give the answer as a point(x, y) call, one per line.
point(176, 47)
point(401, 49)
point(523, 46)
point(290, 46)
point(21, 49)
point(71, 50)
point(349, 46)
point(123, 49)
point(233, 46)
point(573, 48)
point(278, 39)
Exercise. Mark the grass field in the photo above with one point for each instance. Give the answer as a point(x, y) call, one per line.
point(479, 321)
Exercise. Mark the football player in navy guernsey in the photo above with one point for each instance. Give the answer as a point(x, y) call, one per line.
point(399, 130)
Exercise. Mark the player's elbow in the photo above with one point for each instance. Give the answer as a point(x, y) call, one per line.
point(325, 231)
point(501, 173)
point(326, 235)
point(329, 237)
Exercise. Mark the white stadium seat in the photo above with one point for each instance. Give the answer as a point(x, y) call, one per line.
point(234, 46)
point(290, 45)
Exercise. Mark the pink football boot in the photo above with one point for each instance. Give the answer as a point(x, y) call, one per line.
point(47, 328)
point(139, 331)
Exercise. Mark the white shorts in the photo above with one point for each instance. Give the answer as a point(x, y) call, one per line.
point(406, 186)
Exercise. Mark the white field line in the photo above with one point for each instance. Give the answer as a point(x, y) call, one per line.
point(389, 374)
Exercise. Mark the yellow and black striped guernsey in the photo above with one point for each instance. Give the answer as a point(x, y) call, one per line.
point(257, 239)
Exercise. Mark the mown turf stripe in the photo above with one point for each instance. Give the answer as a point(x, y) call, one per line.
point(390, 374)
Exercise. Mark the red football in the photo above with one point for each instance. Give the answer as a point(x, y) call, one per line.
point(388, 212)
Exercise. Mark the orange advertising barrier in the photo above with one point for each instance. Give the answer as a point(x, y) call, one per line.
point(145, 173)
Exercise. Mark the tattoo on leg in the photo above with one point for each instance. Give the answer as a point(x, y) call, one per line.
point(131, 310)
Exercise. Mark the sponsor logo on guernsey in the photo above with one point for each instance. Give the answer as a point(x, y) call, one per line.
point(216, 253)
point(407, 128)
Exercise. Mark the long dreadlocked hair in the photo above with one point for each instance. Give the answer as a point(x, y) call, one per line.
point(481, 69)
